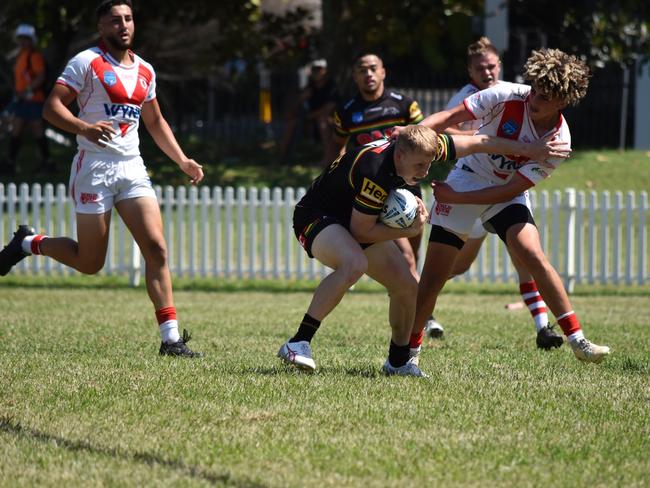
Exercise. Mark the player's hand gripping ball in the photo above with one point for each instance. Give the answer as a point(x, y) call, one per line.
point(400, 209)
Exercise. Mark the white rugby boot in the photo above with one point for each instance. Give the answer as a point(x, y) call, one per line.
point(298, 354)
point(409, 369)
point(587, 351)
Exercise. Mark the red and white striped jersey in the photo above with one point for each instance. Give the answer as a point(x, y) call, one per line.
point(503, 111)
point(108, 90)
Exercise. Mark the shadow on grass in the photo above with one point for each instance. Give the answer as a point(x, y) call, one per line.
point(284, 369)
point(8, 426)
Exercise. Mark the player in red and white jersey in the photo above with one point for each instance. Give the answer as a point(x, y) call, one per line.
point(114, 88)
point(492, 186)
point(483, 68)
point(108, 90)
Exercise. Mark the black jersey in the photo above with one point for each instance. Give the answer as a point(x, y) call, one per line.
point(361, 122)
point(361, 179)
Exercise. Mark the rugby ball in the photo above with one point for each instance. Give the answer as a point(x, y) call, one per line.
point(400, 209)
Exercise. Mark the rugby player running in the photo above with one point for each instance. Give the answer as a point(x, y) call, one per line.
point(113, 88)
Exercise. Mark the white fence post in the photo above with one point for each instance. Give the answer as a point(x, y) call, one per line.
point(570, 240)
point(642, 237)
point(604, 237)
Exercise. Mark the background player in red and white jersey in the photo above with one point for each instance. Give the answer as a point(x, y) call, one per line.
point(492, 186)
point(484, 68)
point(113, 88)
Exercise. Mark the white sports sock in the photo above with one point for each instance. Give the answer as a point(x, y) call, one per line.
point(576, 336)
point(169, 332)
point(27, 244)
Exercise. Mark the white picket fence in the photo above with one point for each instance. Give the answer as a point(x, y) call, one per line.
point(247, 233)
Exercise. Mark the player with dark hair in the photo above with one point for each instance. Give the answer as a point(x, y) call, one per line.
point(337, 223)
point(114, 88)
point(492, 186)
point(372, 114)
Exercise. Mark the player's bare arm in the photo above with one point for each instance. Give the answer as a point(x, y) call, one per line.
point(367, 228)
point(486, 196)
point(447, 118)
point(166, 141)
point(57, 113)
point(539, 150)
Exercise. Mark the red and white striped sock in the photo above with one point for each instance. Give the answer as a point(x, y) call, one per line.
point(570, 326)
point(416, 339)
point(32, 244)
point(166, 317)
point(535, 303)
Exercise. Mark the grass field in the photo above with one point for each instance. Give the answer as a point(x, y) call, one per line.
point(86, 401)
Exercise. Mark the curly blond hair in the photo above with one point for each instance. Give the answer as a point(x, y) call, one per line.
point(556, 74)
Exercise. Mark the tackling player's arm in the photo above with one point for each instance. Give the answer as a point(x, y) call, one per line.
point(539, 150)
point(57, 113)
point(368, 228)
point(447, 118)
point(485, 196)
point(165, 140)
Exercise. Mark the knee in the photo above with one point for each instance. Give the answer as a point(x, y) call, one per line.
point(92, 266)
point(155, 252)
point(354, 268)
point(405, 288)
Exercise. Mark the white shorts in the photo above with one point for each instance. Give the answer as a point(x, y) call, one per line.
point(98, 181)
point(478, 231)
point(461, 219)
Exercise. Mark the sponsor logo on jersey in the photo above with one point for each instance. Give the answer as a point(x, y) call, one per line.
point(124, 111)
point(391, 111)
point(396, 96)
point(442, 209)
point(539, 171)
point(370, 110)
point(373, 192)
point(510, 127)
point(110, 78)
point(357, 117)
point(89, 197)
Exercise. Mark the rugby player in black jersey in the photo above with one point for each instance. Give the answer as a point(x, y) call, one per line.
point(372, 114)
point(337, 223)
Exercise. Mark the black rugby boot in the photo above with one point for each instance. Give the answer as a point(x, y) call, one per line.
point(13, 252)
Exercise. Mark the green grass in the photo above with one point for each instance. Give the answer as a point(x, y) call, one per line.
point(85, 400)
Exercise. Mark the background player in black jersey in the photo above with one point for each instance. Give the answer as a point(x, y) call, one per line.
point(372, 114)
point(337, 223)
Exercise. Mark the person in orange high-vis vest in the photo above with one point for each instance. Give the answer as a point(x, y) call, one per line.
point(29, 87)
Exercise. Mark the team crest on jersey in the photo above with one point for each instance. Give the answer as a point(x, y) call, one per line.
point(110, 78)
point(510, 127)
point(357, 117)
point(143, 82)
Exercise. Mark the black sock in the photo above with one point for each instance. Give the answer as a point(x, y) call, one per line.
point(398, 356)
point(307, 329)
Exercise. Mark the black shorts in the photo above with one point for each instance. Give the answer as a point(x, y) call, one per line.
point(509, 216)
point(308, 222)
